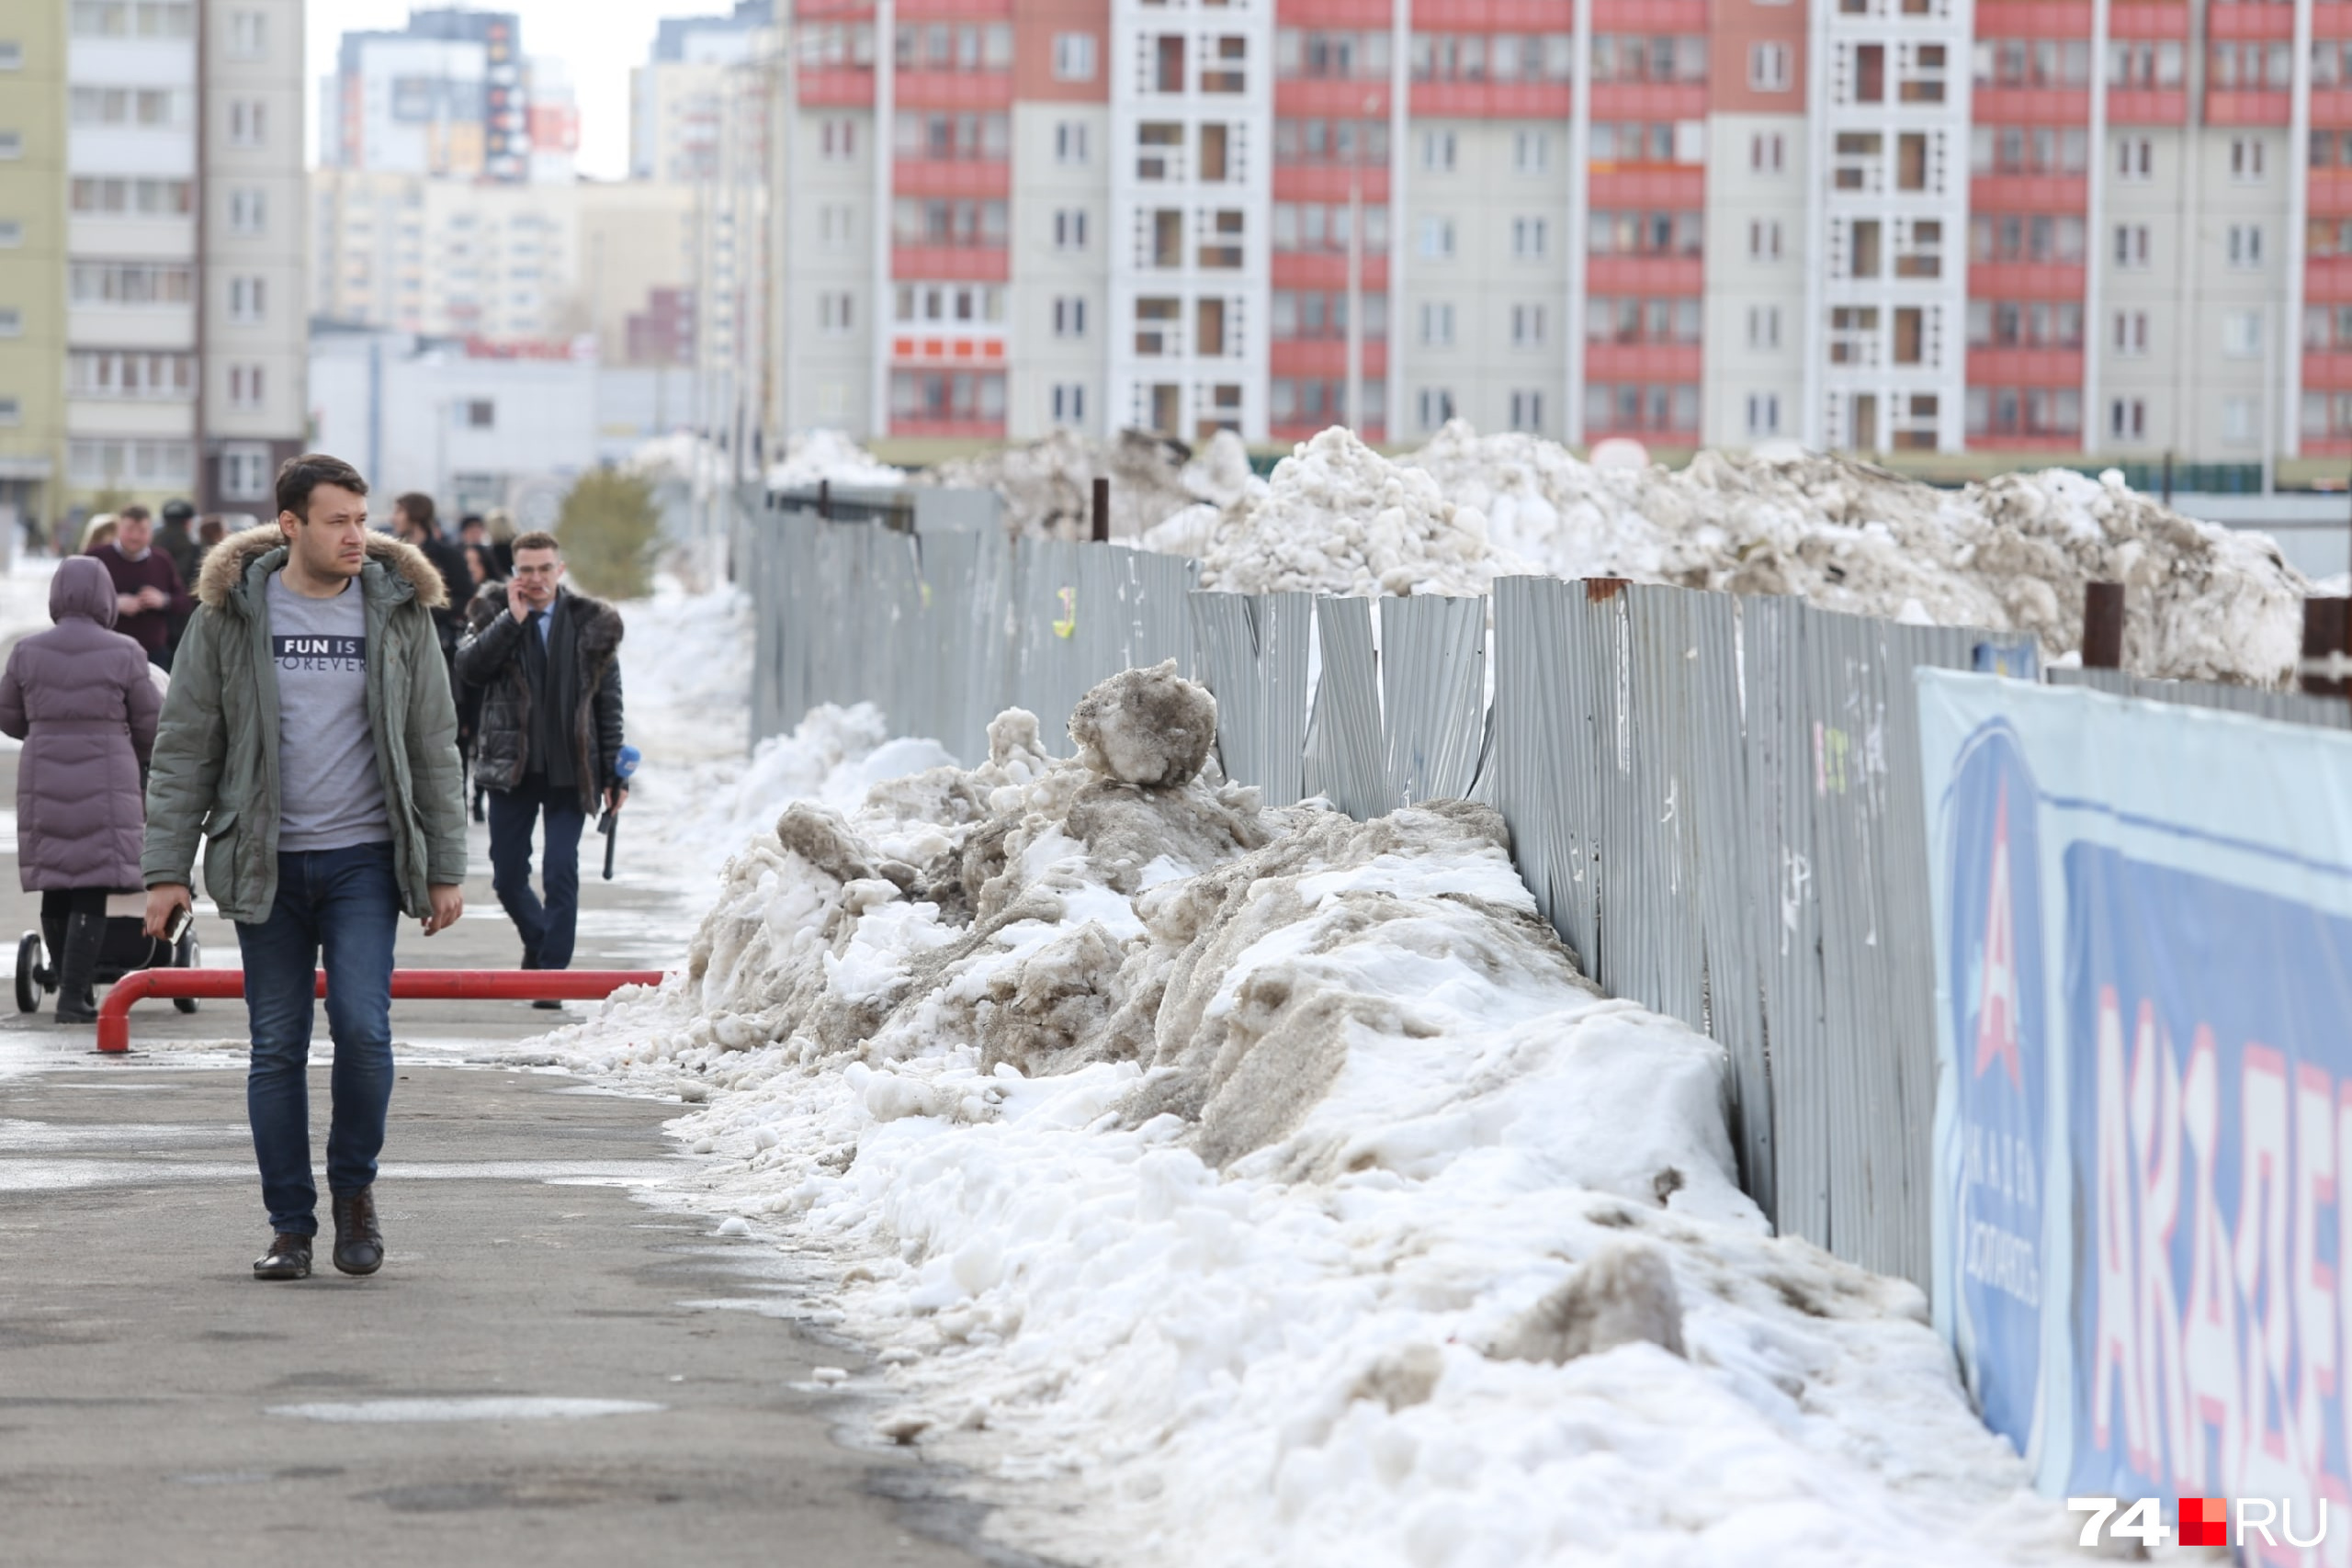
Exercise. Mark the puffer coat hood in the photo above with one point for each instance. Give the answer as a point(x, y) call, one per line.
point(84, 702)
point(81, 588)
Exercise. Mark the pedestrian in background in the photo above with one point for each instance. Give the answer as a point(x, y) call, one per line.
point(179, 547)
point(548, 747)
point(309, 745)
point(82, 697)
point(209, 532)
point(98, 530)
point(150, 589)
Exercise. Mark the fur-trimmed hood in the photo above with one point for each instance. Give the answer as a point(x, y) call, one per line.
point(397, 563)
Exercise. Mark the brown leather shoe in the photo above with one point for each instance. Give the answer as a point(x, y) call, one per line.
point(358, 1244)
point(288, 1257)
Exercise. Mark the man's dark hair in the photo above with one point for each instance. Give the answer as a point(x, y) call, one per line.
point(132, 514)
point(471, 520)
point(178, 512)
point(536, 539)
point(418, 508)
point(300, 476)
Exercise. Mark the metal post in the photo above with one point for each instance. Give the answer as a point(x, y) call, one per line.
point(2327, 636)
point(825, 499)
point(1102, 531)
point(2102, 625)
point(2167, 476)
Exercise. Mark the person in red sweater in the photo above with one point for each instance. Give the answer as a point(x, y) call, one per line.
point(148, 589)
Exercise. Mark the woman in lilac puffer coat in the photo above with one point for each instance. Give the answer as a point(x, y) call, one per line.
point(80, 697)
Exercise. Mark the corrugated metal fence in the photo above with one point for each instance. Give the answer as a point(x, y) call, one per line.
point(1714, 801)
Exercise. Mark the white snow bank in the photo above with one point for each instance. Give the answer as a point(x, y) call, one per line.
point(1048, 485)
point(1340, 518)
point(2206, 602)
point(1181, 1162)
point(813, 454)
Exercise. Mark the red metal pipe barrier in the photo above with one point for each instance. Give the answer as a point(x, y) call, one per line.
point(489, 984)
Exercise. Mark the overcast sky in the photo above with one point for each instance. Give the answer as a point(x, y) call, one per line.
point(600, 39)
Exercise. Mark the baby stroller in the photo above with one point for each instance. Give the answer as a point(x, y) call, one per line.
point(128, 948)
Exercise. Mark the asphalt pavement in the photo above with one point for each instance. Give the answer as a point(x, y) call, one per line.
point(552, 1367)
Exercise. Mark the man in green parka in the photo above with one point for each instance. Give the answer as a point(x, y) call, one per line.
point(309, 743)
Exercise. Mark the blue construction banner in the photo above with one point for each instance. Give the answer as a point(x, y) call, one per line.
point(2143, 960)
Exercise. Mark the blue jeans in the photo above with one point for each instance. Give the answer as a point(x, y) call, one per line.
point(345, 904)
point(547, 929)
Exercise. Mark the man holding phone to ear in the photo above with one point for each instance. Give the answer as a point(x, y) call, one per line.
point(310, 742)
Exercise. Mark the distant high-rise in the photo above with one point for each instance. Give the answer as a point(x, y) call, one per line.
point(451, 95)
point(678, 98)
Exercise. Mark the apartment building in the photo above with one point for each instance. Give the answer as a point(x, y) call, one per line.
point(451, 95)
point(2117, 227)
point(505, 264)
point(152, 334)
point(678, 98)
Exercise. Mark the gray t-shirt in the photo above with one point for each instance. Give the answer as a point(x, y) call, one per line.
point(330, 794)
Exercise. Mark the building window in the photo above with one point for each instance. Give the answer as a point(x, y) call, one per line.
point(12, 145)
point(2242, 334)
point(123, 18)
point(244, 386)
point(2135, 158)
point(1074, 57)
point(1764, 238)
point(2025, 410)
point(12, 322)
point(244, 471)
point(2130, 340)
point(945, 46)
point(836, 312)
point(248, 122)
point(1763, 413)
point(1768, 67)
point(2245, 244)
point(1070, 229)
point(248, 211)
point(1070, 402)
point(1527, 411)
point(1069, 142)
point(2237, 420)
point(1648, 407)
point(1437, 324)
point(12, 54)
point(1527, 326)
point(1764, 326)
point(837, 138)
point(145, 463)
point(2137, 64)
point(1436, 407)
point(1070, 316)
point(130, 374)
point(248, 35)
point(2131, 246)
point(1527, 237)
point(478, 413)
point(961, 303)
point(933, 396)
point(1767, 152)
point(11, 412)
point(1221, 67)
point(149, 107)
point(1436, 152)
point(1531, 152)
point(834, 226)
point(2127, 419)
point(248, 301)
point(2246, 159)
point(12, 233)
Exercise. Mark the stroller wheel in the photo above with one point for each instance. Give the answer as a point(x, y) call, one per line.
point(189, 954)
point(28, 987)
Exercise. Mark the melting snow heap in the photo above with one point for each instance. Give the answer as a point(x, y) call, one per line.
point(1218, 1184)
point(2205, 602)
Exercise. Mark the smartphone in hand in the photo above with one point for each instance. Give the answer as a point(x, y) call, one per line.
point(182, 918)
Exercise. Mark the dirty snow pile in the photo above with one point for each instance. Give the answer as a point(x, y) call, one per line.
point(2205, 602)
point(1047, 485)
point(1216, 1184)
point(1340, 518)
point(813, 454)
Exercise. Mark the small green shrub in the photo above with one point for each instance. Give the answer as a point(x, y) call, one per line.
point(608, 527)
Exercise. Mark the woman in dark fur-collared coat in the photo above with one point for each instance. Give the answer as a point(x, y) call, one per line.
point(547, 743)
